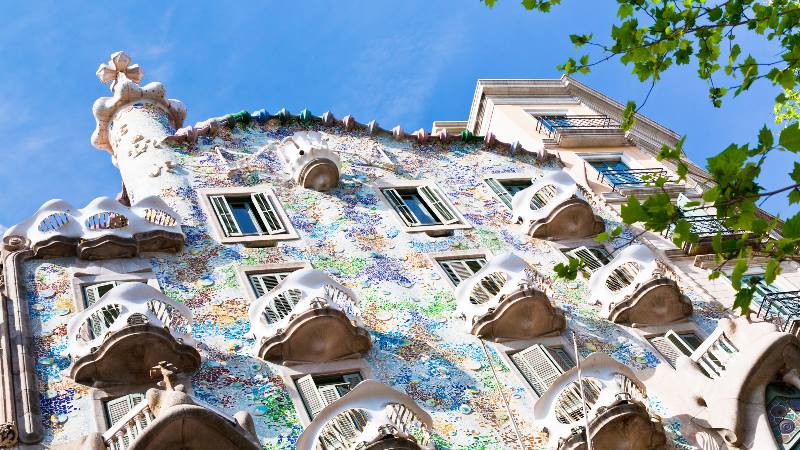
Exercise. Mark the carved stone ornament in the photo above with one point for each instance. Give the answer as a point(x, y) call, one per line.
point(309, 160)
point(8, 434)
point(125, 78)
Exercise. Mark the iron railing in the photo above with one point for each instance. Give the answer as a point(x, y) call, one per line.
point(704, 226)
point(551, 124)
point(780, 308)
point(630, 177)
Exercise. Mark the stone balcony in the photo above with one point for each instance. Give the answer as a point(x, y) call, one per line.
point(581, 131)
point(131, 329)
point(104, 229)
point(504, 301)
point(727, 376)
point(309, 160)
point(171, 419)
point(634, 288)
point(372, 416)
point(617, 410)
point(551, 209)
point(308, 317)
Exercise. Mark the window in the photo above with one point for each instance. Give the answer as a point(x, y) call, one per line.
point(107, 314)
point(541, 365)
point(262, 283)
point(458, 270)
point(505, 189)
point(616, 172)
point(246, 215)
point(318, 392)
point(117, 408)
point(672, 344)
point(420, 206)
point(593, 257)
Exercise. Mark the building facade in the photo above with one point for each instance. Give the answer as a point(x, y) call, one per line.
point(285, 281)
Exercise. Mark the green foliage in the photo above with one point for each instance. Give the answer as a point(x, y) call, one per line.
point(714, 36)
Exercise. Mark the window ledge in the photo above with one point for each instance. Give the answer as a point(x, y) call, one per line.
point(267, 240)
point(437, 230)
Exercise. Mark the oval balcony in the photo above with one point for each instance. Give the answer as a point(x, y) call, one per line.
point(728, 375)
point(308, 317)
point(309, 160)
point(635, 288)
point(129, 330)
point(501, 302)
point(103, 229)
point(372, 416)
point(171, 419)
point(550, 209)
point(617, 410)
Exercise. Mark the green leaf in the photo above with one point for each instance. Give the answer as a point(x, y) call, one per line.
point(738, 270)
point(602, 237)
point(765, 139)
point(795, 174)
point(791, 228)
point(743, 300)
point(790, 138)
point(625, 10)
point(772, 271)
point(794, 196)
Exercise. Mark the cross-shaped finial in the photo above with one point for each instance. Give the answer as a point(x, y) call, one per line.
point(119, 65)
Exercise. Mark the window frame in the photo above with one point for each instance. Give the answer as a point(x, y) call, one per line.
point(290, 375)
point(511, 177)
point(564, 252)
point(506, 349)
point(648, 332)
point(244, 272)
point(433, 230)
point(214, 221)
point(455, 255)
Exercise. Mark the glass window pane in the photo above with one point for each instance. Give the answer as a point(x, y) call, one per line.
point(419, 208)
point(514, 186)
point(245, 216)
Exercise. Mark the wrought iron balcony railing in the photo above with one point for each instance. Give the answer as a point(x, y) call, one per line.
point(617, 178)
point(704, 226)
point(551, 124)
point(780, 308)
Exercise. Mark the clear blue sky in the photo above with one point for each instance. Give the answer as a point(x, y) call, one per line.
point(408, 63)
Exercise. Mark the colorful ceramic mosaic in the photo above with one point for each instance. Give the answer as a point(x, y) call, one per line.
point(420, 344)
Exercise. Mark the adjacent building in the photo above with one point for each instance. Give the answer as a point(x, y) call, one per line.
point(280, 281)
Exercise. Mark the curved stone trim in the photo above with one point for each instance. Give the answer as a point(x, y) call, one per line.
point(309, 160)
point(103, 229)
point(571, 219)
point(625, 426)
point(389, 415)
point(523, 314)
point(655, 302)
point(634, 288)
point(316, 335)
point(127, 355)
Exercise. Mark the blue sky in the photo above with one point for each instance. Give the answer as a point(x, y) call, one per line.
point(407, 63)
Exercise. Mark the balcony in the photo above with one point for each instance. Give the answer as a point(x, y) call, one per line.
point(617, 409)
point(171, 419)
point(372, 416)
point(780, 308)
point(550, 209)
point(129, 330)
point(309, 160)
point(308, 317)
point(706, 226)
point(103, 229)
point(581, 131)
point(637, 181)
point(728, 374)
point(634, 288)
point(504, 301)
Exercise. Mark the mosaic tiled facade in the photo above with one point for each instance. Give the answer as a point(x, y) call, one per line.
point(420, 345)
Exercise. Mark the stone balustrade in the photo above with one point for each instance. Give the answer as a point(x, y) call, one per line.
point(308, 317)
point(372, 416)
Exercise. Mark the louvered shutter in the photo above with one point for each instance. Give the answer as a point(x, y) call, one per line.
point(399, 205)
point(666, 349)
point(353, 379)
point(459, 270)
point(346, 422)
point(500, 191)
point(671, 345)
point(93, 292)
point(268, 213)
point(538, 367)
point(590, 258)
point(310, 395)
point(117, 409)
point(225, 215)
point(437, 204)
point(265, 282)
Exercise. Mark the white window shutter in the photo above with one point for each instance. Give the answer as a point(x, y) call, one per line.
point(117, 409)
point(353, 379)
point(268, 213)
point(310, 395)
point(399, 205)
point(500, 191)
point(265, 282)
point(457, 270)
point(437, 204)
point(225, 215)
point(538, 367)
point(345, 423)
